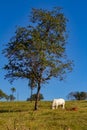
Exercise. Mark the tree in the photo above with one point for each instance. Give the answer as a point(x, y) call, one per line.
point(38, 52)
point(77, 95)
point(32, 86)
point(2, 94)
point(12, 95)
point(13, 90)
point(7, 97)
point(33, 97)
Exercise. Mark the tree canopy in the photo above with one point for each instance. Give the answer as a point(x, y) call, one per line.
point(2, 94)
point(38, 52)
point(33, 97)
point(77, 95)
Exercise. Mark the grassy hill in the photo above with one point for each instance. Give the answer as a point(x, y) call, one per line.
point(21, 116)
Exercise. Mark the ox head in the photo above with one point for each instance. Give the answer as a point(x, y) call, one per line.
point(53, 107)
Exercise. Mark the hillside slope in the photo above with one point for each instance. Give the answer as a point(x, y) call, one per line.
point(21, 116)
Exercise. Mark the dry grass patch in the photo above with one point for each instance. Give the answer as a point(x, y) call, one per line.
point(21, 116)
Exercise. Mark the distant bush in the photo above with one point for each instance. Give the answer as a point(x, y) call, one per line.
point(77, 95)
point(33, 97)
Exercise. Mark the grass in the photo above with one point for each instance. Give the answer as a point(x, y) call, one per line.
point(21, 116)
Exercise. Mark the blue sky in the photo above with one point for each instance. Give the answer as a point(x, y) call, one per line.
point(16, 13)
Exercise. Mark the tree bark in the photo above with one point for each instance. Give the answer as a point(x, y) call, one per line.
point(37, 96)
point(31, 94)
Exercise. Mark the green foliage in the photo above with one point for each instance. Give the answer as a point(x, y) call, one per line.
point(2, 94)
point(78, 95)
point(7, 97)
point(11, 96)
point(13, 89)
point(38, 52)
point(33, 97)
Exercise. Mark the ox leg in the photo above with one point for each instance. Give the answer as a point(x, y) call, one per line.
point(56, 106)
point(63, 106)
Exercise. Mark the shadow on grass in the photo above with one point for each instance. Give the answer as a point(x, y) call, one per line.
point(6, 111)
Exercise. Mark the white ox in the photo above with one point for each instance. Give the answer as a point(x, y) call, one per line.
point(58, 102)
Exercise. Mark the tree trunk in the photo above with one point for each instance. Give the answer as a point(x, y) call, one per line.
point(31, 94)
point(37, 96)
